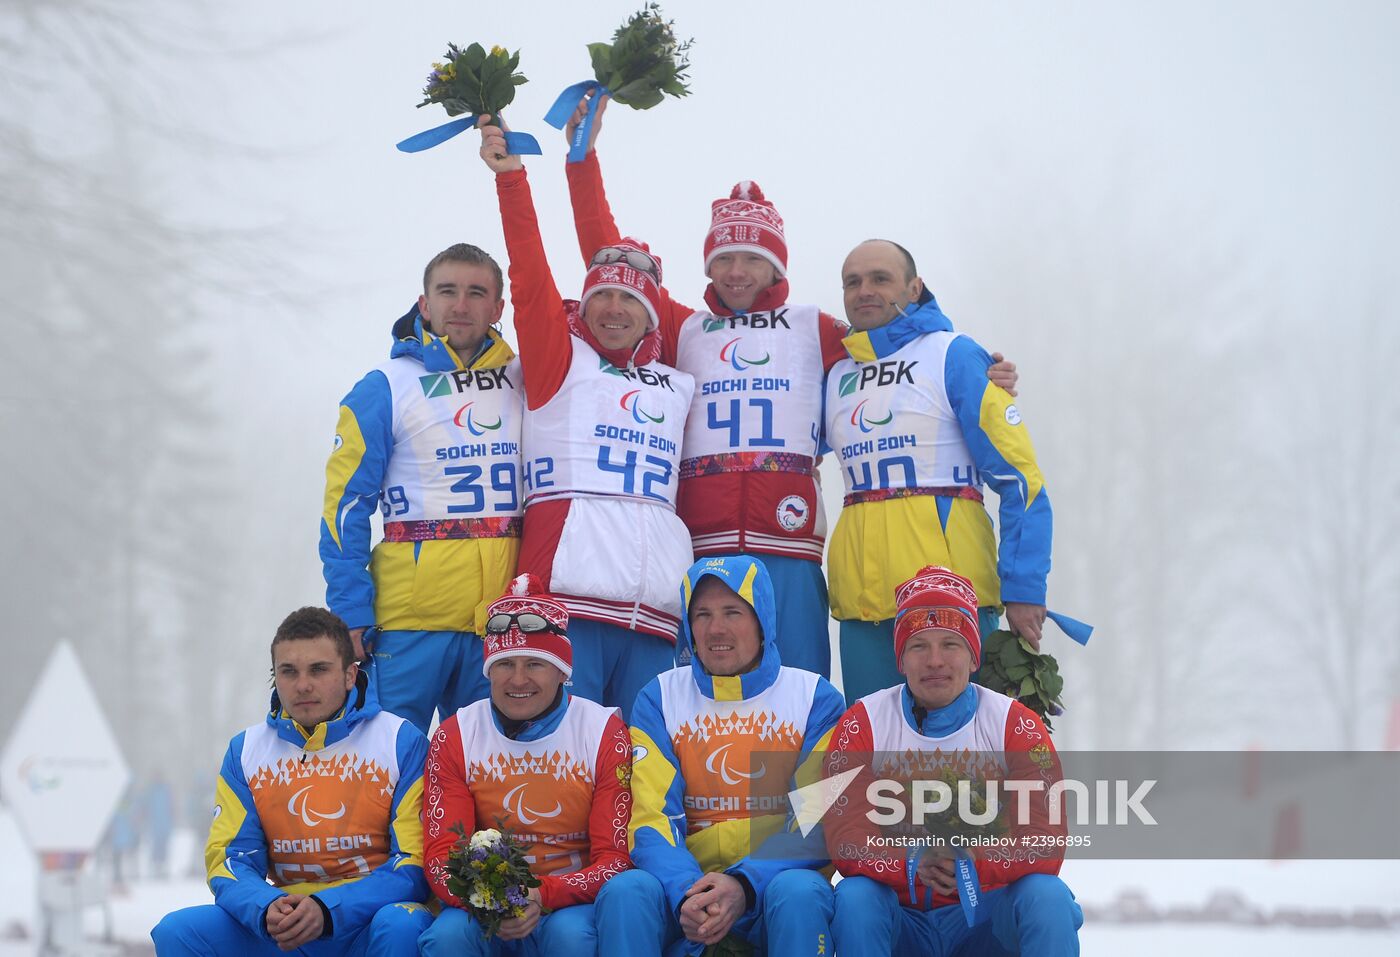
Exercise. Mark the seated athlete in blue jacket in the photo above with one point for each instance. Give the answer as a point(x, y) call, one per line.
point(316, 842)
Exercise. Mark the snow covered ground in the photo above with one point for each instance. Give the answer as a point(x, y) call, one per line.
point(1144, 908)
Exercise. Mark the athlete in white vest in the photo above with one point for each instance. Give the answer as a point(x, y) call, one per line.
point(552, 769)
point(902, 898)
point(748, 468)
point(601, 448)
point(918, 430)
point(430, 439)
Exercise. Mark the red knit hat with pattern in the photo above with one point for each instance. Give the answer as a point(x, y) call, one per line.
point(526, 596)
point(937, 598)
point(746, 223)
point(629, 265)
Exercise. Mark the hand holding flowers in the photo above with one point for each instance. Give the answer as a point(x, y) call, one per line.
point(488, 873)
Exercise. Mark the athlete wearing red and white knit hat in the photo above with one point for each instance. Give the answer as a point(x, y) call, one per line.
point(526, 596)
point(936, 598)
point(628, 265)
point(746, 222)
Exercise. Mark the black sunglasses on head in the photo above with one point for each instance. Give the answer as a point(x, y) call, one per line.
point(527, 622)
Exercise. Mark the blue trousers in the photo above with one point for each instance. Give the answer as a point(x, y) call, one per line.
point(612, 664)
point(803, 611)
point(867, 654)
point(210, 931)
point(1035, 915)
point(417, 671)
point(569, 930)
point(793, 919)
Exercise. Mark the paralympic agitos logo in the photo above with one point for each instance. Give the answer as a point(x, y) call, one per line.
point(524, 813)
point(632, 402)
point(465, 419)
point(729, 353)
point(859, 420)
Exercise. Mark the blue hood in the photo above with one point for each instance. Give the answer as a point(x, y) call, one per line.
point(749, 578)
point(361, 704)
point(885, 340)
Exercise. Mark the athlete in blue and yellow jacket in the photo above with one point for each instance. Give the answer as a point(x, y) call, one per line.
point(716, 744)
point(917, 430)
point(317, 840)
point(431, 438)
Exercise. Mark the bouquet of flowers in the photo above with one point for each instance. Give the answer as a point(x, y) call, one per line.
point(488, 874)
point(644, 62)
point(474, 81)
point(948, 827)
point(1013, 667)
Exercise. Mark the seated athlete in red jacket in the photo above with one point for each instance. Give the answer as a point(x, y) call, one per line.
point(553, 769)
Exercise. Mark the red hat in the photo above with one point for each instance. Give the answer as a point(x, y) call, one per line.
point(746, 222)
point(526, 596)
point(630, 266)
point(937, 598)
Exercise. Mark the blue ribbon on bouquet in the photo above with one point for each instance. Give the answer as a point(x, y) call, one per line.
point(1076, 629)
point(517, 144)
point(969, 888)
point(563, 108)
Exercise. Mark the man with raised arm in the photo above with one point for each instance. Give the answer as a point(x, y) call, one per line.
point(316, 844)
point(601, 447)
point(748, 481)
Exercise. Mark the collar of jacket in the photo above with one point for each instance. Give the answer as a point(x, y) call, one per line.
point(413, 339)
point(766, 301)
point(940, 722)
point(361, 704)
point(749, 578)
point(538, 726)
point(646, 351)
point(882, 341)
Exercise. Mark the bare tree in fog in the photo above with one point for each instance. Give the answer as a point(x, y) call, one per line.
point(1129, 337)
point(109, 413)
point(1332, 495)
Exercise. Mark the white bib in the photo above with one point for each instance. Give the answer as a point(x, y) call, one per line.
point(608, 431)
point(456, 443)
point(758, 382)
point(891, 424)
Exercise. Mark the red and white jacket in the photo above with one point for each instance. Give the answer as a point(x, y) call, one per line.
point(600, 450)
point(565, 793)
point(1003, 740)
point(748, 470)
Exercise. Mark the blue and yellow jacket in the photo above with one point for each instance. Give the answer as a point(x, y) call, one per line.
point(332, 812)
point(918, 430)
point(713, 757)
point(390, 427)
